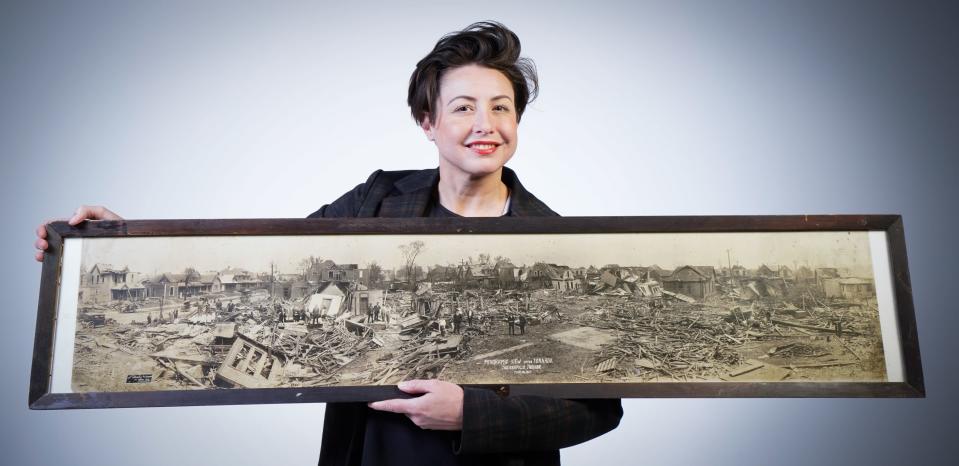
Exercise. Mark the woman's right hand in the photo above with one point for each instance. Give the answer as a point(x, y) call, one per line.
point(84, 212)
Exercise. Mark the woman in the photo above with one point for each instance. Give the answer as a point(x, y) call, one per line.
point(468, 96)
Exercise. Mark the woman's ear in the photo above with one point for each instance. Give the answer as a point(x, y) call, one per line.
point(427, 127)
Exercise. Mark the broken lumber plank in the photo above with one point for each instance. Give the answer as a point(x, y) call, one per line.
point(502, 351)
point(812, 327)
point(172, 366)
point(827, 364)
point(606, 365)
point(679, 296)
point(753, 365)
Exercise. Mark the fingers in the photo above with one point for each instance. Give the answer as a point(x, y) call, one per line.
point(417, 386)
point(96, 212)
point(395, 405)
point(82, 213)
point(440, 408)
point(41, 243)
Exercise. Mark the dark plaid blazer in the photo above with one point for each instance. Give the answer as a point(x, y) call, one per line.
point(408, 193)
point(511, 430)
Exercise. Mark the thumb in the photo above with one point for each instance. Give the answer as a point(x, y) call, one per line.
point(399, 406)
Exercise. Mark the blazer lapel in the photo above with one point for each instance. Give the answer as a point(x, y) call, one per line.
point(523, 203)
point(414, 198)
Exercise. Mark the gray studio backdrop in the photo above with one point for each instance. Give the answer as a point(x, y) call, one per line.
point(270, 109)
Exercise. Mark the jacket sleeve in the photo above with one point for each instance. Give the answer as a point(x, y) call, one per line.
point(493, 424)
point(348, 205)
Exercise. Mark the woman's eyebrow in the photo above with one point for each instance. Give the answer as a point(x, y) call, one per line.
point(473, 99)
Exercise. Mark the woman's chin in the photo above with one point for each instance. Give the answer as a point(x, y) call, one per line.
point(477, 167)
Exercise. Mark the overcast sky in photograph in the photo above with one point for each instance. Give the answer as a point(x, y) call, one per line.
point(667, 250)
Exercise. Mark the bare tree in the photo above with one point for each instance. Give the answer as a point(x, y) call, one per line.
point(410, 251)
point(374, 274)
point(310, 267)
point(190, 272)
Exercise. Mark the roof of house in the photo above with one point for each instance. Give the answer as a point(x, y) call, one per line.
point(337, 286)
point(677, 277)
point(554, 272)
point(108, 268)
point(764, 269)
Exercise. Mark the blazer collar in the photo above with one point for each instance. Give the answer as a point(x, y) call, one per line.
point(417, 188)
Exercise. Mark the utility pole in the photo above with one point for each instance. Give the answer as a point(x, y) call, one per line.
point(729, 263)
point(272, 284)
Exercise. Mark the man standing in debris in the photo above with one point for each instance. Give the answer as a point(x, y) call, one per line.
point(457, 321)
point(522, 324)
point(467, 95)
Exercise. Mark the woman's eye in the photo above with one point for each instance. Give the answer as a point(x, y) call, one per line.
point(501, 108)
point(461, 108)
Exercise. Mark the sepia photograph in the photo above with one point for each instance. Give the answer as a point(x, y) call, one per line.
point(662, 232)
point(180, 313)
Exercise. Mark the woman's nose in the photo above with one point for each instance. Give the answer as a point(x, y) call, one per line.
point(482, 123)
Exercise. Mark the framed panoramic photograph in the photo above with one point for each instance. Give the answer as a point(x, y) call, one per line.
point(204, 312)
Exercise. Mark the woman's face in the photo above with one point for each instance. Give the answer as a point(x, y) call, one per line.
point(475, 127)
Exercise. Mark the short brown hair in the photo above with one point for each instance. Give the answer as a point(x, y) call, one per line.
point(486, 43)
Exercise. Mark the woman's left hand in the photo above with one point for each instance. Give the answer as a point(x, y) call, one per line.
point(439, 406)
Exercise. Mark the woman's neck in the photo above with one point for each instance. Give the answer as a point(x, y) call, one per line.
point(473, 197)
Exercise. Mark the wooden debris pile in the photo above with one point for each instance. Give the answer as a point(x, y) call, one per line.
point(424, 358)
point(322, 351)
point(680, 344)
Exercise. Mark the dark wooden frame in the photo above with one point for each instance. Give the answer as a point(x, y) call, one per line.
point(41, 398)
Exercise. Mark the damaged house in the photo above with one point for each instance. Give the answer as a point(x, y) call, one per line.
point(291, 287)
point(131, 290)
point(363, 298)
point(552, 276)
point(825, 273)
point(849, 288)
point(96, 285)
point(250, 364)
point(442, 274)
point(336, 299)
point(697, 282)
point(628, 281)
point(507, 275)
point(182, 285)
point(330, 300)
point(476, 276)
